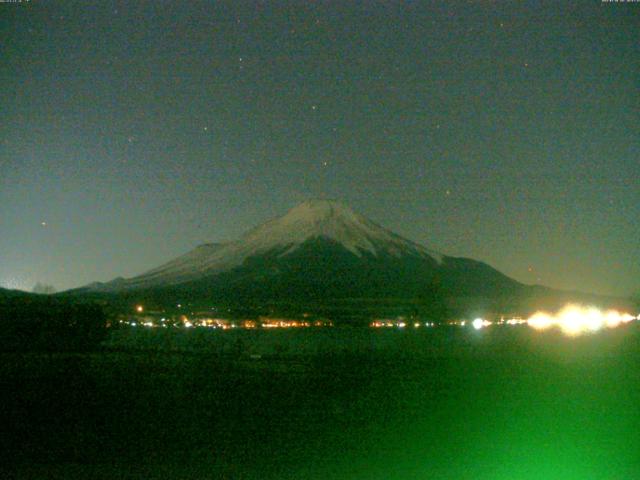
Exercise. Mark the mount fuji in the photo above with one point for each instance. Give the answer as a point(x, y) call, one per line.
point(319, 251)
point(312, 221)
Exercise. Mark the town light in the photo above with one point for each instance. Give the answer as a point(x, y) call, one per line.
point(479, 323)
point(574, 319)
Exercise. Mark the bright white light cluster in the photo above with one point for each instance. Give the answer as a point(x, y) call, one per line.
point(479, 323)
point(575, 319)
point(571, 320)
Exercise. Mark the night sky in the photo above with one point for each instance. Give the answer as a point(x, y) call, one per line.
point(133, 131)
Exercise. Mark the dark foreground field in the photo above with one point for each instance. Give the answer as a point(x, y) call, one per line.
point(501, 403)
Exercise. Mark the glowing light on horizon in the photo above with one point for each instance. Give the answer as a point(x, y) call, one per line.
point(479, 323)
point(576, 319)
point(540, 321)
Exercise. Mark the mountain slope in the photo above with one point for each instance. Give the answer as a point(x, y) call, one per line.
point(320, 252)
point(321, 269)
point(321, 256)
point(310, 220)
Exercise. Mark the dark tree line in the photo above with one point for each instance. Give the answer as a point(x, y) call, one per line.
point(50, 324)
point(44, 289)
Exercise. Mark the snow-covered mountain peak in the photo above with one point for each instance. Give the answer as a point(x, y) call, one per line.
point(313, 219)
point(335, 221)
point(318, 210)
point(310, 218)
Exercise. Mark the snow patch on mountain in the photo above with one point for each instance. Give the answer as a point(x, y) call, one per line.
point(310, 219)
point(333, 220)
